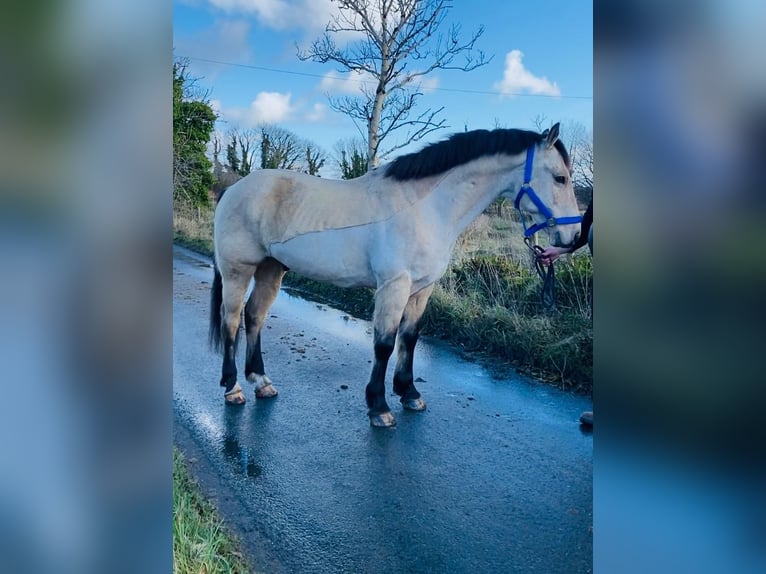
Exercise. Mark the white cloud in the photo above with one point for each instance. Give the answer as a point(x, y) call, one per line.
point(270, 108)
point(266, 108)
point(283, 14)
point(518, 80)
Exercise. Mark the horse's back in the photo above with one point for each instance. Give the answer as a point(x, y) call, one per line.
point(281, 205)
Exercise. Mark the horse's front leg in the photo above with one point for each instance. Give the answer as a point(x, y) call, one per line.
point(390, 300)
point(409, 329)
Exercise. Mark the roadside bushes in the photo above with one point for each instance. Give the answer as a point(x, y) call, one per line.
point(490, 304)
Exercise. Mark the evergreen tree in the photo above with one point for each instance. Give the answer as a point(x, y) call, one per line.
point(193, 121)
point(232, 156)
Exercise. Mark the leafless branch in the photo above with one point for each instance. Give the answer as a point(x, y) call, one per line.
point(399, 43)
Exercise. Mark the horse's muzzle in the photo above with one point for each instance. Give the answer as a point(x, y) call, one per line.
point(562, 238)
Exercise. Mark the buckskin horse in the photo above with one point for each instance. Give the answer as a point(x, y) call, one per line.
point(392, 229)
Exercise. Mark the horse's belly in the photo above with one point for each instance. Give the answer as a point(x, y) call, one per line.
point(338, 256)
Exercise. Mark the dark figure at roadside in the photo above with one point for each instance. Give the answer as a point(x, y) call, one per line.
point(550, 254)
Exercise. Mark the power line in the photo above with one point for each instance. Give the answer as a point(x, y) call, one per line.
point(455, 90)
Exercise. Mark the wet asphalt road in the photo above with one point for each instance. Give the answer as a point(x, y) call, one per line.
point(496, 476)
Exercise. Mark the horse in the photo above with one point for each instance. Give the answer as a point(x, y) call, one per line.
point(392, 229)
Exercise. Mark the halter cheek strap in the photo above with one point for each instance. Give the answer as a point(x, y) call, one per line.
point(526, 188)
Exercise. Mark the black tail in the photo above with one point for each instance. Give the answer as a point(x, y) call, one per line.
point(216, 299)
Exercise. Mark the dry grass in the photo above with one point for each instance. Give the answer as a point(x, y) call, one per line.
point(193, 227)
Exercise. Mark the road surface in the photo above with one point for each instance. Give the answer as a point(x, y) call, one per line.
point(496, 476)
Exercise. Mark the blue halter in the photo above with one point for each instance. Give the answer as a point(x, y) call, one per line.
point(550, 221)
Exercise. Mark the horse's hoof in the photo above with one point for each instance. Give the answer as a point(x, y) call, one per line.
point(383, 420)
point(266, 392)
point(263, 387)
point(235, 397)
point(414, 404)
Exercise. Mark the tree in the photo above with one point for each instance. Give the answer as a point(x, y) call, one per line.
point(240, 151)
point(217, 165)
point(280, 148)
point(582, 170)
point(400, 44)
point(315, 158)
point(232, 154)
point(579, 143)
point(247, 146)
point(193, 122)
point(541, 122)
point(351, 158)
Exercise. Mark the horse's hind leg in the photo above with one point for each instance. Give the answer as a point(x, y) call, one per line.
point(236, 279)
point(268, 278)
point(409, 329)
point(390, 300)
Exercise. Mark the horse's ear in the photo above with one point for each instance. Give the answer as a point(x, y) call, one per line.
point(550, 136)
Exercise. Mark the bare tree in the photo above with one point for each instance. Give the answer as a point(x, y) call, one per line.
point(280, 148)
point(582, 167)
point(541, 122)
point(579, 142)
point(401, 43)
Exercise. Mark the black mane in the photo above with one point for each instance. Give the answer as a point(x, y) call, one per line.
point(461, 148)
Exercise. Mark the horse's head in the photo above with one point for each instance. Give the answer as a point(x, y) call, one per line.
point(547, 194)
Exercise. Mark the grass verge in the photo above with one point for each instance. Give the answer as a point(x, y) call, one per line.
point(201, 542)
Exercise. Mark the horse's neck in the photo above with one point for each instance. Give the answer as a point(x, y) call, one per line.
point(468, 192)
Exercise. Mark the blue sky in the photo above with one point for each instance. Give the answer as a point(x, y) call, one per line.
point(542, 50)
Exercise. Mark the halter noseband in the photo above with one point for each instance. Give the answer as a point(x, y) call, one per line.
point(550, 221)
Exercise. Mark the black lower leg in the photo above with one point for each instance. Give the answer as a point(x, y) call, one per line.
point(229, 368)
point(254, 358)
point(404, 384)
point(375, 392)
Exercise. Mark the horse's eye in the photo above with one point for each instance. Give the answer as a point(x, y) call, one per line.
point(560, 179)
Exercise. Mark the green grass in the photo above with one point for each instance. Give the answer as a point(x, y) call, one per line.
point(201, 542)
point(490, 305)
point(487, 303)
point(204, 246)
point(358, 301)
